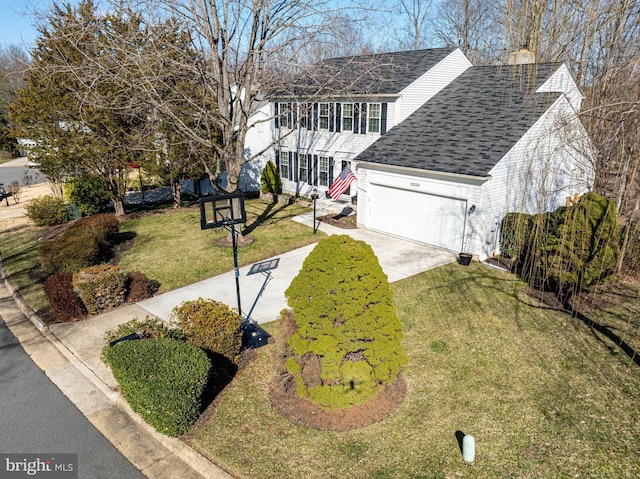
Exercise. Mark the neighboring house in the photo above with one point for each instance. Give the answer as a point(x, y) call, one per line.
point(442, 150)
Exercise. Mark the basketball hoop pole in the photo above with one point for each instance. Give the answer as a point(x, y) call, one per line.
point(222, 215)
point(235, 264)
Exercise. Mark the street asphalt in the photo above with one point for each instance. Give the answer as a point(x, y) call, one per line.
point(36, 418)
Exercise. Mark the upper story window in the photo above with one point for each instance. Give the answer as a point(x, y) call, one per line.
point(347, 117)
point(374, 118)
point(284, 110)
point(323, 116)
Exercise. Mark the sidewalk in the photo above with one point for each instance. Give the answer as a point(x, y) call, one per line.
point(75, 368)
point(69, 353)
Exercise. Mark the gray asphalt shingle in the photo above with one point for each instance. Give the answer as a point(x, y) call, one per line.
point(374, 74)
point(471, 124)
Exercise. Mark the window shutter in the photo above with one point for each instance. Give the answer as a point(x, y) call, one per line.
point(356, 117)
point(315, 170)
point(294, 107)
point(309, 170)
point(363, 119)
point(289, 115)
point(276, 120)
point(383, 119)
point(290, 176)
point(332, 117)
point(315, 117)
point(309, 116)
point(330, 170)
point(277, 152)
point(295, 166)
point(338, 117)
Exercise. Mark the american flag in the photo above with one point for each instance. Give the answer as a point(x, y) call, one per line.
point(341, 183)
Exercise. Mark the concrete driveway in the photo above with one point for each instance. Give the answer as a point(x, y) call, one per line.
point(262, 288)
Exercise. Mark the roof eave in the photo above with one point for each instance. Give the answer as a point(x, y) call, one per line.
point(408, 169)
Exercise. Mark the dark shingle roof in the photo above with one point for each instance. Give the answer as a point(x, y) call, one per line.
point(373, 74)
point(471, 124)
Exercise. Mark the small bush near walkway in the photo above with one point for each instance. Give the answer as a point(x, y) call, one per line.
point(101, 287)
point(162, 380)
point(212, 326)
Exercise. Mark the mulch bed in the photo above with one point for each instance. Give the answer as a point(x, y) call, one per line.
point(341, 221)
point(302, 411)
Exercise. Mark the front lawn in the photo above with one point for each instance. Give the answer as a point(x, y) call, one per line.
point(19, 251)
point(542, 393)
point(172, 249)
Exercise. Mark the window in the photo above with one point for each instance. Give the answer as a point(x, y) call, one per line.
point(374, 118)
point(324, 116)
point(285, 113)
point(303, 167)
point(284, 165)
point(323, 171)
point(347, 117)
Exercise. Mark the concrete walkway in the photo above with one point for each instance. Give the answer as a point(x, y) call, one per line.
point(398, 258)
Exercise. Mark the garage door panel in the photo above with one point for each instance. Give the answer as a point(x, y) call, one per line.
point(422, 217)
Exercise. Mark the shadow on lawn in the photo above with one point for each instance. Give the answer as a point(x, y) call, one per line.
point(505, 286)
point(269, 213)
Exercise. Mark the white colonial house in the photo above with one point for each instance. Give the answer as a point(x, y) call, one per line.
point(441, 149)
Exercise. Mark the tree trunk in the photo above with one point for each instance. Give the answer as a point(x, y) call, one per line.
point(176, 191)
point(118, 204)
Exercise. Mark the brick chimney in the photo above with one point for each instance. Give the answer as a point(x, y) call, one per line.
point(522, 57)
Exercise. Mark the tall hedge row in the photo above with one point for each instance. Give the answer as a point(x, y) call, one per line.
point(348, 343)
point(162, 380)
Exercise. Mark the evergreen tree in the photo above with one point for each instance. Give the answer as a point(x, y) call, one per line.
point(348, 344)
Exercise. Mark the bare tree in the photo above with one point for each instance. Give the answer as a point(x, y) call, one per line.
point(470, 25)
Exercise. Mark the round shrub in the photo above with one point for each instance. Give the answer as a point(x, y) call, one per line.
point(90, 193)
point(210, 325)
point(348, 343)
point(47, 211)
point(101, 287)
point(162, 380)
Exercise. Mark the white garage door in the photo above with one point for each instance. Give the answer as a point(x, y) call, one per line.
point(427, 218)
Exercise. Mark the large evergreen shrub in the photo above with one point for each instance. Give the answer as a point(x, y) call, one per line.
point(90, 193)
point(571, 248)
point(348, 343)
point(162, 380)
point(270, 181)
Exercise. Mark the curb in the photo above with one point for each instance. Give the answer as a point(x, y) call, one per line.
point(182, 451)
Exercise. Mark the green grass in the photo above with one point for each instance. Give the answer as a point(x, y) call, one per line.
point(543, 395)
point(173, 250)
point(19, 251)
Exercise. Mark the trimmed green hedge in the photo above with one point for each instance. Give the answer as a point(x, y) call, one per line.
point(162, 380)
point(87, 242)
